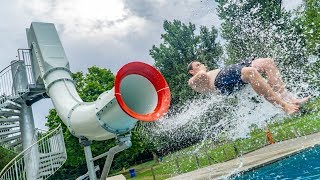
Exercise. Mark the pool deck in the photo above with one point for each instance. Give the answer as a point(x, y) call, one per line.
point(260, 157)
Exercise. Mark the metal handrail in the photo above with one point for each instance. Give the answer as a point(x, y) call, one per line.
point(6, 76)
point(23, 153)
point(8, 66)
point(6, 80)
point(29, 148)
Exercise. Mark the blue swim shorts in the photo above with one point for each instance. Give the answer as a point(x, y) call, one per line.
point(229, 79)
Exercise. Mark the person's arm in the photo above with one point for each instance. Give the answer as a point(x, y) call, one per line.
point(200, 82)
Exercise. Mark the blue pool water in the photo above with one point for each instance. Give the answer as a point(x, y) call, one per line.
point(304, 165)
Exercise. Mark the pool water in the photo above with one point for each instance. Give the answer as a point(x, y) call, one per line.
point(304, 165)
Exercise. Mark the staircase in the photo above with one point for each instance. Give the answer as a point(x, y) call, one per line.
point(48, 153)
point(10, 136)
point(52, 155)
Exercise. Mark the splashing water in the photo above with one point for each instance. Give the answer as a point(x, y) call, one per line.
point(215, 116)
point(208, 118)
point(212, 117)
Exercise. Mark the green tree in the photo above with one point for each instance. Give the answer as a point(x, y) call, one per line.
point(261, 28)
point(310, 24)
point(307, 22)
point(5, 156)
point(180, 46)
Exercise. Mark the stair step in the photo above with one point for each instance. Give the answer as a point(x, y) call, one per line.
point(53, 160)
point(8, 126)
point(9, 112)
point(9, 132)
point(49, 168)
point(10, 119)
point(51, 154)
point(10, 105)
point(46, 173)
point(15, 143)
point(10, 138)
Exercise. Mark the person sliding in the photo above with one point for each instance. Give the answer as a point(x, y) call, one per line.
point(233, 77)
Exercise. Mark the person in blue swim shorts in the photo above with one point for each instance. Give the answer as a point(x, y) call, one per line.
point(231, 78)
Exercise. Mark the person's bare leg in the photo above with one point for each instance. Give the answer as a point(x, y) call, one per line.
point(252, 76)
point(299, 101)
point(268, 66)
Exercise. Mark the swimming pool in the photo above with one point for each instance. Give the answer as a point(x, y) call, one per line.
point(304, 165)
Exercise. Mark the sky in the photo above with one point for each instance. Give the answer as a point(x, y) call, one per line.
point(103, 33)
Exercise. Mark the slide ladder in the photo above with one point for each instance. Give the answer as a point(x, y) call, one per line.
point(11, 99)
point(48, 154)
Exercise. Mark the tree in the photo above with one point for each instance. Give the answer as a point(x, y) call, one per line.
point(265, 29)
point(180, 46)
point(89, 87)
point(5, 156)
point(310, 25)
point(261, 28)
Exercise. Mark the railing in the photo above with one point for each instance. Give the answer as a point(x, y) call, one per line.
point(50, 155)
point(6, 88)
point(25, 55)
point(6, 75)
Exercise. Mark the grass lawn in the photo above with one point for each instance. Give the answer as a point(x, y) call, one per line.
point(185, 160)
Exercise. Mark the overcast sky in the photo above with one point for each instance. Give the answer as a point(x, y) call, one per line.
point(105, 33)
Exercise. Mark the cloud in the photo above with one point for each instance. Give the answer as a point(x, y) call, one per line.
point(195, 11)
point(96, 19)
point(105, 33)
point(114, 32)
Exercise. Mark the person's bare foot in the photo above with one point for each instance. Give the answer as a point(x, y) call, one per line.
point(291, 109)
point(300, 101)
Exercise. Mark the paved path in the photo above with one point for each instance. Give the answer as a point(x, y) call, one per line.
point(256, 158)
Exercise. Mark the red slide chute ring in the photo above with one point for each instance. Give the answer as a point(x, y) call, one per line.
point(159, 83)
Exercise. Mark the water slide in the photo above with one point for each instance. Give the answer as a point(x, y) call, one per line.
point(140, 92)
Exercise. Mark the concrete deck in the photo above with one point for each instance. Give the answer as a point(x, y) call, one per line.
point(254, 159)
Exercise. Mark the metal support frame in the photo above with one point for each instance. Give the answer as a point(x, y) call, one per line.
point(20, 84)
point(123, 141)
point(88, 154)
